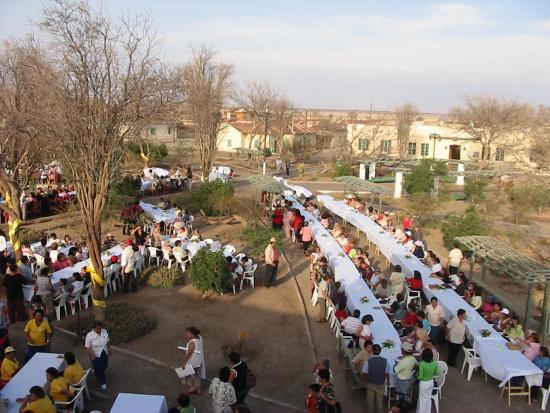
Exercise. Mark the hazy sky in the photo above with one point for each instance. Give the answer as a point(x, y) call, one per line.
point(351, 53)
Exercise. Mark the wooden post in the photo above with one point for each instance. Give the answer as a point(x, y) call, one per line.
point(528, 306)
point(544, 327)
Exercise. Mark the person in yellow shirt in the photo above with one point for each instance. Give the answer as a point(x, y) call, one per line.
point(36, 402)
point(9, 366)
point(74, 372)
point(59, 389)
point(38, 332)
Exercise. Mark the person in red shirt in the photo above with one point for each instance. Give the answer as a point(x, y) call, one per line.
point(297, 222)
point(341, 314)
point(411, 318)
point(312, 398)
point(277, 218)
point(307, 236)
point(407, 222)
point(415, 283)
point(62, 262)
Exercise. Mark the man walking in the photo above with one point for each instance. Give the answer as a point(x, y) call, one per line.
point(272, 255)
point(376, 372)
point(322, 298)
point(455, 336)
point(287, 167)
point(127, 269)
point(278, 165)
point(435, 314)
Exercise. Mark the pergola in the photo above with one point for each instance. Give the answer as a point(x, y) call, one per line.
point(500, 256)
point(487, 173)
point(357, 184)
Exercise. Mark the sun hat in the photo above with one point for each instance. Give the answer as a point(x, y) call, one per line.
point(9, 349)
point(272, 239)
point(505, 311)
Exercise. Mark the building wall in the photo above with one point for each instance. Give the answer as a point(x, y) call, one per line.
point(229, 138)
point(161, 132)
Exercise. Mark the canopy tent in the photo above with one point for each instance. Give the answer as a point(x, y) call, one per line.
point(500, 256)
point(267, 183)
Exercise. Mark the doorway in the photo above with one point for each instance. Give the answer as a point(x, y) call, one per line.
point(454, 152)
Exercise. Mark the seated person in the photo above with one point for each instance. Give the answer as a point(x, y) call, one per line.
point(474, 297)
point(67, 240)
point(410, 320)
point(341, 313)
point(361, 357)
point(52, 239)
point(184, 404)
point(351, 323)
point(397, 278)
point(514, 329)
point(59, 389)
point(110, 241)
point(9, 366)
point(196, 236)
point(61, 262)
point(495, 314)
point(179, 250)
point(436, 267)
point(53, 252)
point(430, 344)
point(415, 283)
point(62, 288)
point(383, 290)
point(182, 233)
point(73, 372)
point(166, 247)
point(36, 402)
point(41, 249)
point(246, 263)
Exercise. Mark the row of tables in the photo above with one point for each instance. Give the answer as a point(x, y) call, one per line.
point(497, 360)
point(356, 289)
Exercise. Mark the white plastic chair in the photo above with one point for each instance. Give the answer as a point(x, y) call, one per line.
point(74, 300)
point(387, 302)
point(83, 383)
point(86, 295)
point(39, 262)
point(442, 370)
point(182, 262)
point(472, 359)
point(545, 393)
point(153, 255)
point(411, 294)
point(77, 400)
point(249, 276)
point(228, 250)
point(189, 222)
point(61, 304)
point(167, 259)
point(116, 276)
point(240, 256)
point(315, 295)
point(209, 241)
point(138, 266)
point(107, 273)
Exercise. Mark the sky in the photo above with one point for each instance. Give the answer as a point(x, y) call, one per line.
point(350, 54)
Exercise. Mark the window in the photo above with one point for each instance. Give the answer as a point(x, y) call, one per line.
point(412, 148)
point(152, 131)
point(229, 143)
point(386, 146)
point(169, 131)
point(363, 144)
point(424, 149)
point(499, 155)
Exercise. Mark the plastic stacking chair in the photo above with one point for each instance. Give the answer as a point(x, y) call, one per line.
point(472, 360)
point(249, 276)
point(61, 304)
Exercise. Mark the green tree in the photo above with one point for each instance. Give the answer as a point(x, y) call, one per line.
point(521, 199)
point(541, 196)
point(474, 189)
point(422, 206)
point(209, 272)
point(342, 168)
point(210, 197)
point(462, 225)
point(257, 237)
point(421, 177)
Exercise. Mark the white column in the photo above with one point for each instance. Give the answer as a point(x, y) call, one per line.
point(460, 178)
point(372, 170)
point(398, 185)
point(264, 167)
point(362, 170)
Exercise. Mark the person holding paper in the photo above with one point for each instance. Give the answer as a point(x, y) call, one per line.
point(194, 357)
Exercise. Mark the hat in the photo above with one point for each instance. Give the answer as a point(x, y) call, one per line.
point(109, 235)
point(129, 241)
point(505, 311)
point(9, 349)
point(272, 239)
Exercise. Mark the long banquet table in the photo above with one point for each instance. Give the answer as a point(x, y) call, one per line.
point(158, 214)
point(497, 360)
point(31, 374)
point(346, 273)
point(139, 403)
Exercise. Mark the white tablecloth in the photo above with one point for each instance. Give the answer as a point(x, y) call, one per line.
point(346, 273)
point(139, 403)
point(496, 365)
point(150, 172)
point(32, 374)
point(158, 214)
point(145, 185)
point(300, 190)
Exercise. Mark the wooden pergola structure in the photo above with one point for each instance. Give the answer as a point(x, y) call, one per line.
point(267, 183)
point(485, 173)
point(499, 256)
point(354, 183)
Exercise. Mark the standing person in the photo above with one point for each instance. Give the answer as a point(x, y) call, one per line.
point(455, 336)
point(3, 252)
point(189, 175)
point(277, 218)
point(126, 216)
point(278, 165)
point(322, 297)
point(404, 371)
point(287, 221)
point(239, 371)
point(287, 167)
point(13, 284)
point(307, 236)
point(38, 333)
point(99, 349)
point(272, 255)
point(455, 258)
point(223, 393)
point(140, 238)
point(194, 356)
point(327, 397)
point(427, 370)
point(376, 372)
point(435, 314)
point(44, 289)
point(127, 267)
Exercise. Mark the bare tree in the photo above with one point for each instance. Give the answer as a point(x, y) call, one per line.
point(21, 63)
point(283, 119)
point(366, 138)
point(404, 118)
point(539, 136)
point(206, 84)
point(104, 91)
point(489, 120)
point(259, 100)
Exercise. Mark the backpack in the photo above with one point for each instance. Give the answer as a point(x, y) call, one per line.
point(250, 379)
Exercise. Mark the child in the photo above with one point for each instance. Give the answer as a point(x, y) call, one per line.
point(184, 404)
point(312, 397)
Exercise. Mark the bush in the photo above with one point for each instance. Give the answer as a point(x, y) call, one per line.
point(124, 322)
point(267, 152)
point(28, 236)
point(210, 197)
point(127, 186)
point(421, 178)
point(209, 272)
point(460, 226)
point(156, 152)
point(474, 189)
point(163, 277)
point(342, 168)
point(257, 238)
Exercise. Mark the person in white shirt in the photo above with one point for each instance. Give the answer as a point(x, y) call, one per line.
point(98, 348)
point(127, 264)
point(53, 252)
point(455, 336)
point(351, 323)
point(437, 266)
point(455, 258)
point(397, 278)
point(3, 252)
point(435, 314)
point(52, 239)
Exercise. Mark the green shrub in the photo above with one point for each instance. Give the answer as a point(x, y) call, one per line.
point(28, 236)
point(474, 189)
point(163, 277)
point(421, 177)
point(157, 152)
point(211, 196)
point(124, 323)
point(342, 168)
point(209, 272)
point(256, 239)
point(267, 152)
point(460, 226)
point(128, 186)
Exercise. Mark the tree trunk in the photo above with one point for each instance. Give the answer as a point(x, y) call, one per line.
point(14, 221)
